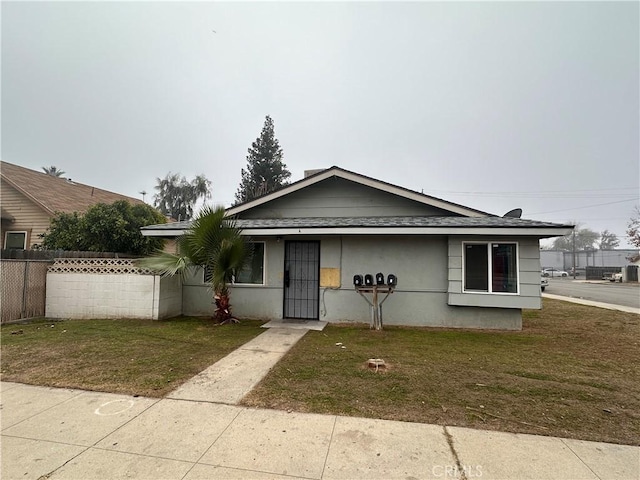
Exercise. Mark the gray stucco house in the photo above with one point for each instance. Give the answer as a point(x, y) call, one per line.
point(456, 266)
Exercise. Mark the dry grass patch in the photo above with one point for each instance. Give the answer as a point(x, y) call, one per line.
point(573, 371)
point(138, 357)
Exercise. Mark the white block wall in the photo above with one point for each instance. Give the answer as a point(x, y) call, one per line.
point(87, 295)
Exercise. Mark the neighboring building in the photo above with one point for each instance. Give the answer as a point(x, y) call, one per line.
point(29, 200)
point(589, 258)
point(456, 266)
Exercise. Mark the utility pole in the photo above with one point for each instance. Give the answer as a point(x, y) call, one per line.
point(574, 253)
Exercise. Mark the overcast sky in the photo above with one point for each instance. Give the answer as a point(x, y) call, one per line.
point(493, 105)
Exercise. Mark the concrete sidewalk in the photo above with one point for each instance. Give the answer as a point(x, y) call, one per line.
point(72, 434)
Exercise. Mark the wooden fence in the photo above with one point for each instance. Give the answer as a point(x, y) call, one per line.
point(16, 254)
point(22, 289)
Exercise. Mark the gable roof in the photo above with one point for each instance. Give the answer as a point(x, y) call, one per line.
point(466, 221)
point(362, 180)
point(56, 194)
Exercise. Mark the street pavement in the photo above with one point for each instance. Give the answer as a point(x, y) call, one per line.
point(49, 433)
point(624, 294)
point(591, 303)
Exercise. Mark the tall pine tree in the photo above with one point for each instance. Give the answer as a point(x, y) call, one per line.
point(265, 170)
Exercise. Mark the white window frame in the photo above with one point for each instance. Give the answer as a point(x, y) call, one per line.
point(489, 244)
point(6, 237)
point(264, 269)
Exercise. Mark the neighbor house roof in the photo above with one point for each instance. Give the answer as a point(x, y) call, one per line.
point(362, 180)
point(56, 194)
point(419, 225)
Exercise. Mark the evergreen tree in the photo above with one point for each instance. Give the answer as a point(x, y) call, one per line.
point(265, 171)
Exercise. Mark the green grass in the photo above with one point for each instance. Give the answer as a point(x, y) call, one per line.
point(573, 371)
point(142, 357)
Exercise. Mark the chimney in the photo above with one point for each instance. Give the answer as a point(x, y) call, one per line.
point(308, 173)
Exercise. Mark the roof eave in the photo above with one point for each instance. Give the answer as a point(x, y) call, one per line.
point(28, 195)
point(539, 232)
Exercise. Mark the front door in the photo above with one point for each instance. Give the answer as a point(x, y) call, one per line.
point(301, 280)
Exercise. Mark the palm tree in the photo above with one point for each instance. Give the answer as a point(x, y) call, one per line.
point(214, 242)
point(53, 171)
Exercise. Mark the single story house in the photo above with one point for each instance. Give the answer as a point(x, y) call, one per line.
point(30, 199)
point(455, 266)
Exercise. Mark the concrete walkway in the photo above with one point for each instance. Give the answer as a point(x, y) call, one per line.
point(198, 432)
point(591, 303)
point(235, 375)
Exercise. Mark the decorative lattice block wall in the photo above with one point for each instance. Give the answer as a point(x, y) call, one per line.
point(100, 266)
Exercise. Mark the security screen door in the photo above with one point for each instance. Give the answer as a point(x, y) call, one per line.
point(301, 280)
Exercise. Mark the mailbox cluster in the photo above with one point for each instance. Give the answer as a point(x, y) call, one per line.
point(368, 280)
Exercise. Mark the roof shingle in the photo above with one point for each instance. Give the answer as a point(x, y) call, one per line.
point(56, 194)
point(377, 222)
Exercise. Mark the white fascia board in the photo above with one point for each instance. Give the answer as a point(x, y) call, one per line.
point(369, 182)
point(528, 232)
point(163, 233)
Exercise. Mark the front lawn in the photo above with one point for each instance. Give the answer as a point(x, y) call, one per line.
point(573, 371)
point(141, 357)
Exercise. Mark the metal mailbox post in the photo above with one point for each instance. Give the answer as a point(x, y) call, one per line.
point(375, 303)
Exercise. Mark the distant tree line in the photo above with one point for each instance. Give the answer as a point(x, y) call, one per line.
point(586, 239)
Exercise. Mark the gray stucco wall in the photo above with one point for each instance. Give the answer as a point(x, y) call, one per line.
point(337, 197)
point(420, 263)
point(169, 297)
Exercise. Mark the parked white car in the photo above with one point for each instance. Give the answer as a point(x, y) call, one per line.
point(614, 277)
point(543, 283)
point(554, 272)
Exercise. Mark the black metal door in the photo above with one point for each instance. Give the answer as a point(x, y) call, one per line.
point(301, 280)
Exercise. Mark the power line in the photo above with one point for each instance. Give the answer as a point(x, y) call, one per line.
point(616, 189)
point(633, 192)
point(586, 206)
